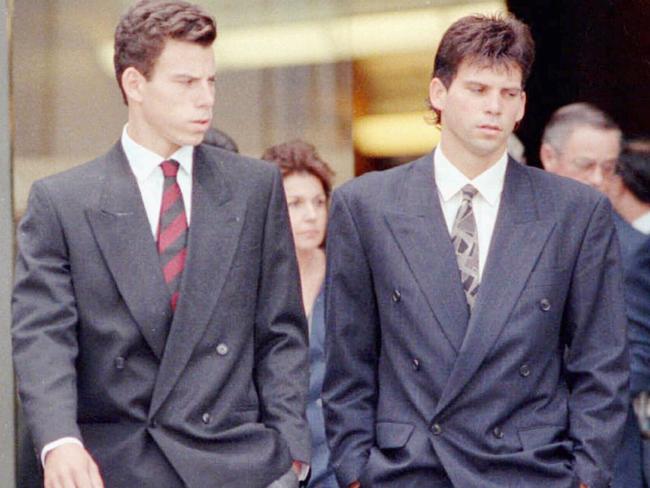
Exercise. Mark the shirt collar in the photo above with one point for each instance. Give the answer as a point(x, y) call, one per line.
point(642, 224)
point(450, 180)
point(144, 161)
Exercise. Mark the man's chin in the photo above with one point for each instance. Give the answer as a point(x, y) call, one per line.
point(490, 148)
point(193, 139)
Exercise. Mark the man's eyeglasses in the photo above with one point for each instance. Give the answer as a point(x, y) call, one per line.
point(608, 167)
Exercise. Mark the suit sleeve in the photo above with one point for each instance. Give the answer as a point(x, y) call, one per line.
point(351, 346)
point(597, 362)
point(44, 329)
point(281, 350)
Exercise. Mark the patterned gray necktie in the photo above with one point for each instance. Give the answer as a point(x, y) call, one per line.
point(465, 240)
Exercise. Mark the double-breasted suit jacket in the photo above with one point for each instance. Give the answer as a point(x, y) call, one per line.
point(211, 395)
point(529, 390)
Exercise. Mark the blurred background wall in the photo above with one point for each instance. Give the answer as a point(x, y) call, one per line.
point(594, 51)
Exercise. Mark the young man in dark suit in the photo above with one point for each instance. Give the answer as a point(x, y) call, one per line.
point(476, 328)
point(159, 338)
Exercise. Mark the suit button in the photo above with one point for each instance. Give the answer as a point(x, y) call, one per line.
point(524, 371)
point(153, 424)
point(119, 362)
point(545, 304)
point(436, 429)
point(416, 364)
point(397, 296)
point(497, 432)
point(222, 349)
point(206, 417)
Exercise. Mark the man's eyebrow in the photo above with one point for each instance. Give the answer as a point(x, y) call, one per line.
point(183, 75)
point(188, 76)
point(481, 83)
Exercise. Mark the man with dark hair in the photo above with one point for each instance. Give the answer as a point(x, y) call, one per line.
point(629, 191)
point(629, 187)
point(159, 337)
point(476, 328)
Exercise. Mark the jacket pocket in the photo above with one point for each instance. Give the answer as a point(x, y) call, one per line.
point(392, 435)
point(539, 436)
point(541, 277)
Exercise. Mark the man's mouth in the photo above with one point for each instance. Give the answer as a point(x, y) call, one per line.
point(490, 128)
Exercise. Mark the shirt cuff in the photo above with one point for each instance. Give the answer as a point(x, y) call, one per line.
point(304, 471)
point(59, 442)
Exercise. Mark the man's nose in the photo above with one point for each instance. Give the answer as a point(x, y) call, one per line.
point(494, 103)
point(596, 176)
point(206, 94)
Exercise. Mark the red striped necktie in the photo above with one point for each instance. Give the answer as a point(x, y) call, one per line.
point(172, 230)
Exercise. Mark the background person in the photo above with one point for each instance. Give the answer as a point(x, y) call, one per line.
point(308, 184)
point(218, 138)
point(583, 143)
point(629, 191)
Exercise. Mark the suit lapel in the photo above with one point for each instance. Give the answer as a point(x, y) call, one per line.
point(215, 226)
point(122, 231)
point(517, 242)
point(421, 234)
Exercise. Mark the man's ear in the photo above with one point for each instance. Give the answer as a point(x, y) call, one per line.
point(132, 84)
point(437, 94)
point(548, 156)
point(522, 109)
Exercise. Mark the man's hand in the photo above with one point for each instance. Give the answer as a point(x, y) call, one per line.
point(70, 466)
point(354, 484)
point(582, 485)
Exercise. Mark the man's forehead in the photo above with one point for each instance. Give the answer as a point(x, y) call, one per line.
point(182, 58)
point(487, 67)
point(593, 137)
point(586, 143)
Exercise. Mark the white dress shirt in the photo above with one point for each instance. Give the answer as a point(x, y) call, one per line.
point(145, 165)
point(450, 181)
point(642, 224)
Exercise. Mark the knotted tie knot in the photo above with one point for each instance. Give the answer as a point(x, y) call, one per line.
point(469, 192)
point(169, 168)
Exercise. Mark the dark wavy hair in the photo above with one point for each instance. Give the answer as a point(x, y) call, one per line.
point(634, 168)
point(493, 40)
point(143, 29)
point(300, 157)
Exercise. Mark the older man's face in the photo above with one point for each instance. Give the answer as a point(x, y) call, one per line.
point(589, 155)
